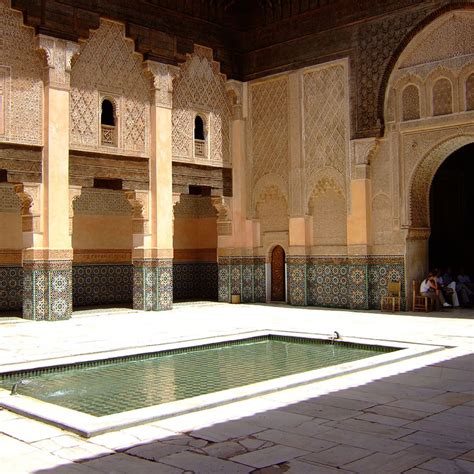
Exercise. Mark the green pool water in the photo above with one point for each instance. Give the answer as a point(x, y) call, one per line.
point(122, 384)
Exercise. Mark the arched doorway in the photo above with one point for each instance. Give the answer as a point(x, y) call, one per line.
point(278, 274)
point(452, 212)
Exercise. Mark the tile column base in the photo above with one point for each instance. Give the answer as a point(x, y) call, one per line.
point(47, 290)
point(153, 284)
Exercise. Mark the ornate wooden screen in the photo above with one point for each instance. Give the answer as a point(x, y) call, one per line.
point(278, 274)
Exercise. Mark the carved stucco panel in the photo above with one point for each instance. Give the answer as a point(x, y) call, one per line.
point(22, 78)
point(325, 118)
point(200, 87)
point(269, 129)
point(108, 64)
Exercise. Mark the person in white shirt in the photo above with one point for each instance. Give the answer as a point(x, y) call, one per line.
point(429, 288)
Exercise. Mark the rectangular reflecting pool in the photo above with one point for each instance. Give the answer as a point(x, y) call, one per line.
point(122, 384)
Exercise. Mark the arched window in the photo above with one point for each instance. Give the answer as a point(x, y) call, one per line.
point(442, 97)
point(199, 137)
point(410, 103)
point(108, 121)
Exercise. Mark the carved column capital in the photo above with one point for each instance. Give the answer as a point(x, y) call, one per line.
point(140, 211)
point(363, 150)
point(235, 90)
point(30, 198)
point(74, 194)
point(162, 76)
point(222, 205)
point(58, 56)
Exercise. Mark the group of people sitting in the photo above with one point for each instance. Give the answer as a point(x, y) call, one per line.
point(442, 287)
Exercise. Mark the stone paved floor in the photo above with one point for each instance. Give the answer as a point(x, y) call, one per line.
point(414, 416)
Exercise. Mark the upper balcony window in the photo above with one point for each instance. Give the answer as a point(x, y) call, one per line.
point(108, 123)
point(199, 138)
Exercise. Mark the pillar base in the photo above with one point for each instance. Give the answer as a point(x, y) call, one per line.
point(47, 290)
point(153, 284)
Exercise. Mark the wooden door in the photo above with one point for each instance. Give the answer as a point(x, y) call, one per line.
point(278, 274)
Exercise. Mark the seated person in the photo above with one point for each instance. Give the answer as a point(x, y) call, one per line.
point(429, 288)
point(464, 287)
point(448, 286)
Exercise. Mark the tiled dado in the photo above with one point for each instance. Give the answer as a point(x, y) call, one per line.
point(47, 290)
point(11, 288)
point(153, 284)
point(342, 282)
point(194, 281)
point(244, 276)
point(102, 284)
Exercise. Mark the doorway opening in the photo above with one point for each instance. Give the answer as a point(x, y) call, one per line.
point(278, 274)
point(452, 212)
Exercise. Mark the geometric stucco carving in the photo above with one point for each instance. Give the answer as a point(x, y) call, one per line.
point(325, 118)
point(420, 183)
point(108, 68)
point(200, 89)
point(410, 103)
point(442, 97)
point(21, 74)
point(269, 147)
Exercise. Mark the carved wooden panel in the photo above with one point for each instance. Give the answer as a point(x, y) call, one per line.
point(278, 274)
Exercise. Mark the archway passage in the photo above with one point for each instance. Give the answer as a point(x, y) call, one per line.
point(452, 212)
point(278, 274)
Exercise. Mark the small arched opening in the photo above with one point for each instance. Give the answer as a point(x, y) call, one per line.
point(199, 137)
point(108, 123)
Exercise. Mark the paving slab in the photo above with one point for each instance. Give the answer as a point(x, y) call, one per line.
point(83, 451)
point(225, 450)
point(382, 419)
point(269, 456)
point(466, 433)
point(278, 419)
point(301, 467)
point(387, 463)
point(418, 405)
point(452, 399)
point(227, 431)
point(124, 464)
point(326, 412)
point(200, 464)
point(337, 456)
point(396, 412)
point(294, 440)
point(372, 427)
point(28, 430)
point(365, 441)
point(339, 402)
point(445, 466)
point(155, 451)
point(437, 440)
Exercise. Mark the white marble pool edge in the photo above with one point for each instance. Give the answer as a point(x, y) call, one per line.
point(88, 425)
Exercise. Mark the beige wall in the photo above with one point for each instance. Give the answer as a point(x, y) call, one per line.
point(10, 234)
point(102, 232)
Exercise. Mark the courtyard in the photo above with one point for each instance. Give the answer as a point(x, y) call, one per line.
point(414, 415)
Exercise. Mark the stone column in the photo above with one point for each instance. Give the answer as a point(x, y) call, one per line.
point(153, 249)
point(47, 258)
point(299, 223)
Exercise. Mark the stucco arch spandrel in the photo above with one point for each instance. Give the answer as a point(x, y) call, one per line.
point(443, 35)
point(322, 179)
point(266, 182)
point(422, 177)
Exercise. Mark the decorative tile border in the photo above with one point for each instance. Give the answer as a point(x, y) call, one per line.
point(244, 276)
point(11, 288)
point(47, 290)
point(342, 282)
point(195, 281)
point(153, 284)
point(98, 284)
